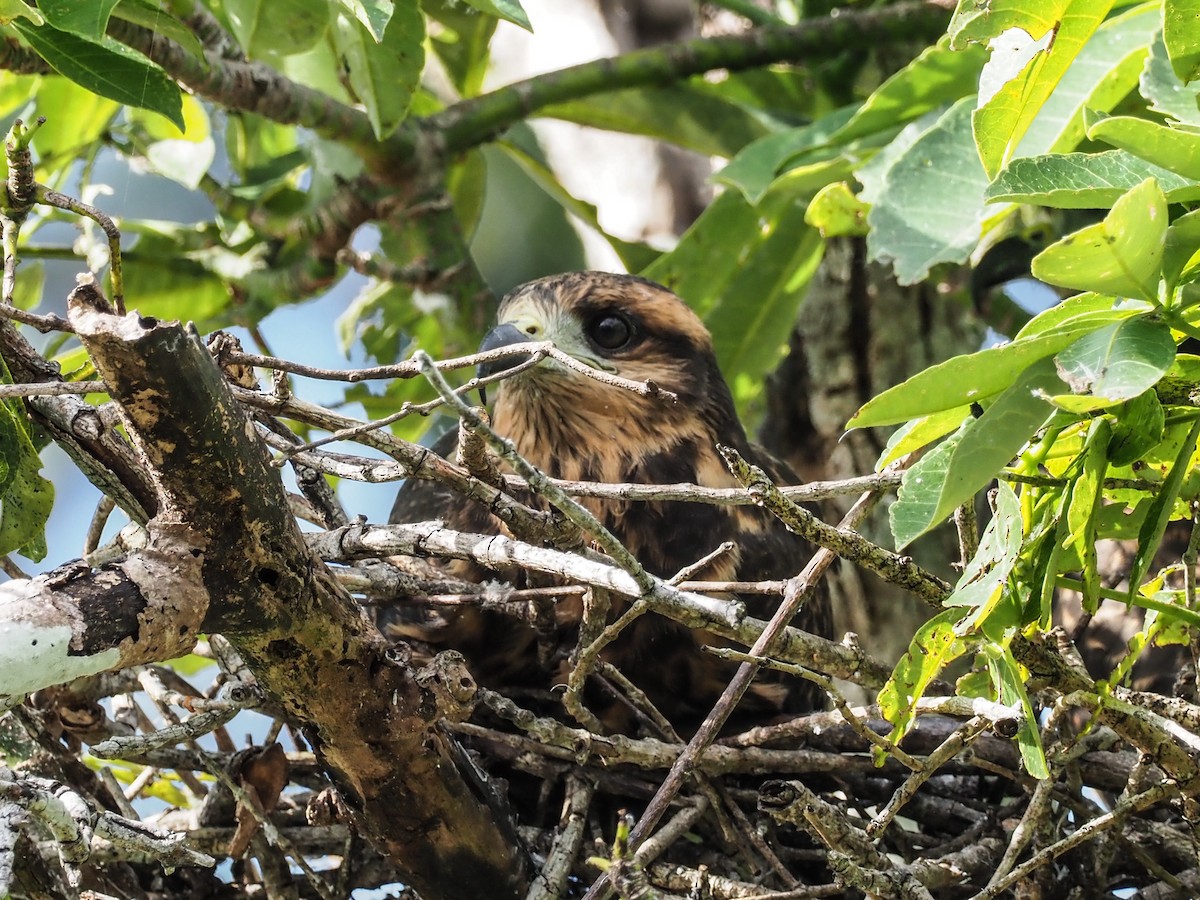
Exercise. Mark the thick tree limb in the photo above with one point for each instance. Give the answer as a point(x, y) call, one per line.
point(371, 722)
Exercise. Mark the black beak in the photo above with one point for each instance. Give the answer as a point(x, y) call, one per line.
point(501, 336)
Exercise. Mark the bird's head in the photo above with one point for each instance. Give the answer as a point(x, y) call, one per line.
point(620, 324)
point(576, 426)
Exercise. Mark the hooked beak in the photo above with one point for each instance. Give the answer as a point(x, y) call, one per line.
point(504, 335)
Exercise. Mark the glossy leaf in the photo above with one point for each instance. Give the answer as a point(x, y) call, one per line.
point(1159, 513)
point(1120, 361)
point(1101, 75)
point(383, 75)
point(1084, 506)
point(1181, 35)
point(975, 376)
point(1010, 687)
point(933, 647)
point(919, 432)
point(1171, 148)
point(1137, 429)
point(745, 269)
point(62, 138)
point(956, 470)
point(1164, 89)
point(88, 20)
point(635, 256)
point(109, 69)
point(26, 498)
point(1084, 180)
point(1003, 119)
point(980, 586)
point(690, 115)
point(153, 16)
point(938, 76)
point(1180, 249)
point(509, 10)
point(836, 212)
point(757, 165)
point(462, 43)
point(267, 29)
point(373, 14)
point(1121, 255)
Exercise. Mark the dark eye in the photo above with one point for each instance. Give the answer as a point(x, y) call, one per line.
point(610, 331)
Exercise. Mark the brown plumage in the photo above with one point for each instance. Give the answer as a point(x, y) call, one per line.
point(574, 427)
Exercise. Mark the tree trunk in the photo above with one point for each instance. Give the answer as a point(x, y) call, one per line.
point(859, 333)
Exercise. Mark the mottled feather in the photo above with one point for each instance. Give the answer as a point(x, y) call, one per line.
point(574, 427)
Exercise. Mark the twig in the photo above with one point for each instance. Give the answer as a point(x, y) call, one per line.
point(842, 540)
point(1085, 832)
point(551, 881)
point(723, 617)
point(860, 727)
point(948, 750)
point(104, 509)
point(191, 728)
point(797, 591)
point(107, 225)
point(578, 514)
point(52, 389)
point(411, 368)
point(967, 525)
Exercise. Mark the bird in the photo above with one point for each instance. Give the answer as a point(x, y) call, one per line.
point(575, 427)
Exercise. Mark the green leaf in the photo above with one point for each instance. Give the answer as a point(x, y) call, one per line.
point(745, 269)
point(12, 9)
point(689, 114)
point(1003, 118)
point(1084, 180)
point(1171, 148)
point(933, 647)
point(930, 209)
point(1086, 498)
point(1137, 429)
point(1181, 34)
point(509, 10)
point(1180, 249)
point(633, 255)
point(920, 432)
point(1120, 361)
point(1083, 311)
point(836, 212)
point(966, 462)
point(384, 74)
point(1164, 89)
point(26, 509)
point(1151, 532)
point(976, 376)
point(88, 20)
point(83, 118)
point(756, 166)
point(186, 162)
point(1010, 686)
point(166, 280)
point(980, 587)
point(373, 14)
point(107, 68)
point(155, 18)
point(462, 43)
point(26, 498)
point(267, 29)
point(937, 77)
point(1100, 76)
point(1121, 255)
